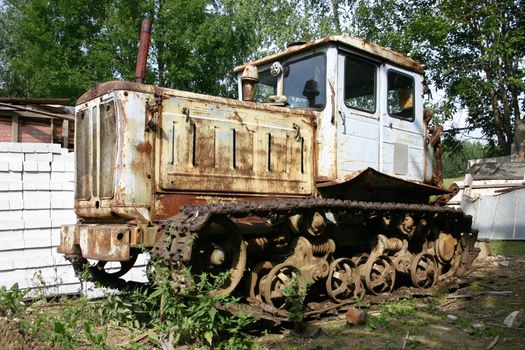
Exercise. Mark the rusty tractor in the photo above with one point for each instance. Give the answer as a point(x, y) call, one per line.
point(321, 174)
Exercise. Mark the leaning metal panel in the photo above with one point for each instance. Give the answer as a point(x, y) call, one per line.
point(498, 216)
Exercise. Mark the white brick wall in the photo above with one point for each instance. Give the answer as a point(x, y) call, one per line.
point(36, 198)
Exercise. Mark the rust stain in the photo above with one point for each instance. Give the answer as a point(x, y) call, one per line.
point(235, 116)
point(144, 147)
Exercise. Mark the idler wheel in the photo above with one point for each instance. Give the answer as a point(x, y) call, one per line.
point(277, 284)
point(219, 248)
point(380, 274)
point(257, 273)
point(343, 280)
point(424, 271)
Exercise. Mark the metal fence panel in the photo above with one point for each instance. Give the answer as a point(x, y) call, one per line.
point(499, 216)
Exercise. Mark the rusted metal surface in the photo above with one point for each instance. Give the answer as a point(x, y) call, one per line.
point(215, 148)
point(354, 43)
point(310, 257)
point(369, 184)
point(107, 242)
point(249, 78)
point(125, 86)
point(142, 55)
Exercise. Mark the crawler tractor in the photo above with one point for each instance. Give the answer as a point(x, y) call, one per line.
point(321, 175)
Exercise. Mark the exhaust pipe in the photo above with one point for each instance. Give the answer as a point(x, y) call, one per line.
point(142, 55)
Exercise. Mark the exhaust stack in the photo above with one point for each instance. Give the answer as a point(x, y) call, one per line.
point(142, 55)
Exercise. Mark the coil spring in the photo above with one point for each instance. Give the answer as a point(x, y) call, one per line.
point(322, 247)
point(257, 245)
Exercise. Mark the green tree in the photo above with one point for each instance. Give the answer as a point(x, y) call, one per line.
point(61, 48)
point(457, 155)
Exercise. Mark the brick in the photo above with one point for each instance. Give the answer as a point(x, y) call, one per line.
point(9, 225)
point(6, 264)
point(55, 148)
point(55, 237)
point(36, 177)
point(58, 166)
point(58, 220)
point(67, 158)
point(41, 148)
point(62, 177)
point(15, 166)
point(4, 166)
point(37, 204)
point(11, 176)
point(16, 204)
point(70, 167)
point(36, 186)
point(28, 147)
point(37, 223)
point(12, 196)
point(15, 185)
point(4, 204)
point(30, 165)
point(58, 204)
point(68, 186)
point(15, 147)
point(66, 289)
point(13, 157)
point(10, 214)
point(4, 186)
point(63, 213)
point(56, 185)
point(10, 240)
point(44, 166)
point(4, 147)
point(36, 214)
point(39, 157)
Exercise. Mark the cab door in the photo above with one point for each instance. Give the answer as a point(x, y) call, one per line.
point(402, 125)
point(358, 118)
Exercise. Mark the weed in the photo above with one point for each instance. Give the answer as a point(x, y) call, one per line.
point(294, 298)
point(389, 311)
point(11, 300)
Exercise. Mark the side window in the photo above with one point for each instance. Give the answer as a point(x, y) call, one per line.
point(360, 84)
point(305, 82)
point(400, 96)
point(266, 87)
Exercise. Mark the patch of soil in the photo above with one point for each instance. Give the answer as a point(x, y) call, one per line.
point(470, 317)
point(13, 337)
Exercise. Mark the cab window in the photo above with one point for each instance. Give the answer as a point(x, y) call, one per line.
point(266, 87)
point(400, 95)
point(305, 82)
point(360, 84)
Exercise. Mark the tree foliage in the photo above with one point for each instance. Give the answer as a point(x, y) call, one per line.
point(473, 50)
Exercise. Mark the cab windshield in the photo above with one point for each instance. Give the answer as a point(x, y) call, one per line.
point(305, 82)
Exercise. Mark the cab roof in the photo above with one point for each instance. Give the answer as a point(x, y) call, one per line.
point(357, 44)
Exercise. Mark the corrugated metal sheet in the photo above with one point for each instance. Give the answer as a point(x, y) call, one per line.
point(498, 216)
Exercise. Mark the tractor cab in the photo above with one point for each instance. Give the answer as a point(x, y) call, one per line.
point(368, 101)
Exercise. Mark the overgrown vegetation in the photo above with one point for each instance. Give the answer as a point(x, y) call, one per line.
point(391, 311)
point(457, 154)
point(155, 315)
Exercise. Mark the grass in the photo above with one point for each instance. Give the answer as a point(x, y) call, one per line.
point(507, 248)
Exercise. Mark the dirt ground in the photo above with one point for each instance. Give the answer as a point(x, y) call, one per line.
point(468, 317)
